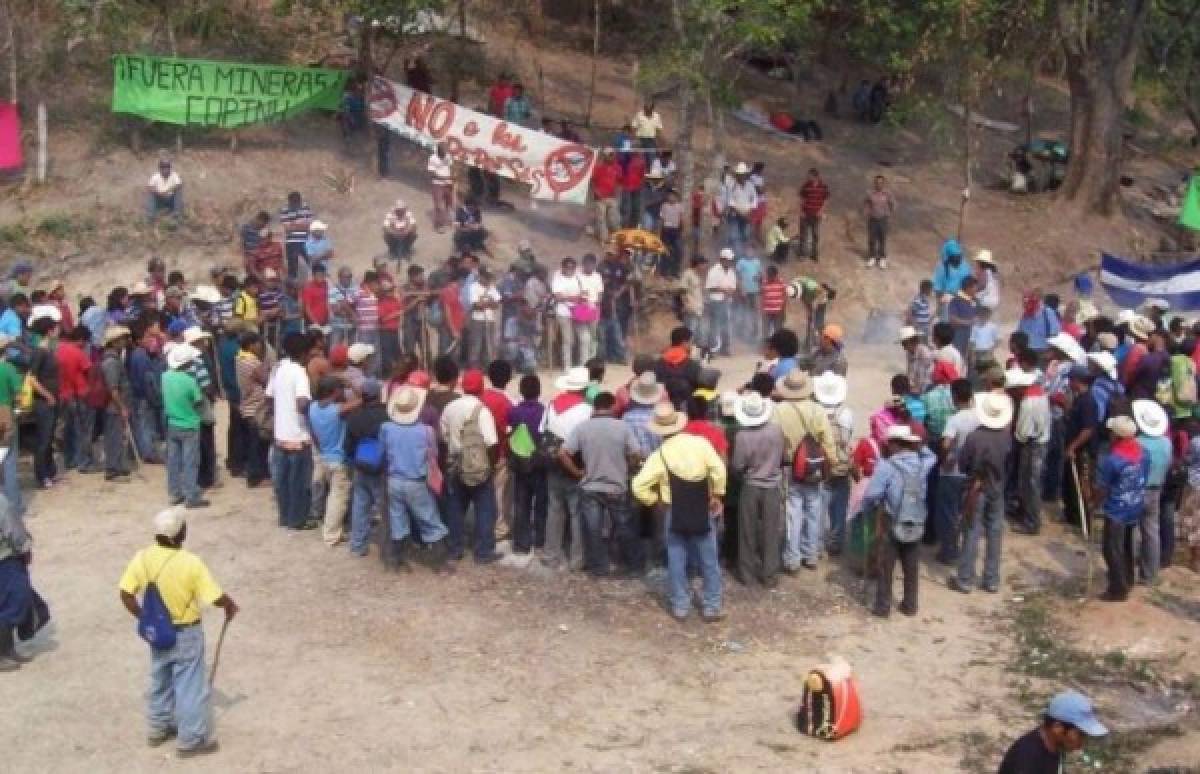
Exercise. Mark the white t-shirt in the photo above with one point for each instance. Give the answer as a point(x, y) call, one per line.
point(743, 198)
point(440, 168)
point(562, 285)
point(562, 425)
point(646, 126)
point(721, 283)
point(957, 428)
point(165, 186)
point(456, 414)
point(480, 293)
point(593, 286)
point(289, 383)
point(671, 214)
point(394, 222)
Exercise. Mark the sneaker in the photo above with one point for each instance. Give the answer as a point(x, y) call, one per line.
point(679, 615)
point(712, 616)
point(908, 611)
point(157, 738)
point(177, 500)
point(491, 558)
point(204, 748)
point(883, 263)
point(809, 564)
point(992, 588)
point(117, 477)
point(954, 583)
point(870, 263)
point(194, 504)
point(881, 612)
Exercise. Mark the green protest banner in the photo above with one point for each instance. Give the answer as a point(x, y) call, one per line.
point(1189, 214)
point(224, 94)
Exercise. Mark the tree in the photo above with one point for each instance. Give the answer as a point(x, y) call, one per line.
point(1173, 49)
point(1100, 41)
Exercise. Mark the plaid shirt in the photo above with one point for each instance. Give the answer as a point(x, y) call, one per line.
point(939, 407)
point(638, 417)
point(920, 366)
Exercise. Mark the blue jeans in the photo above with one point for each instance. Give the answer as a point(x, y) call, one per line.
point(1052, 466)
point(178, 695)
point(366, 495)
point(116, 444)
point(737, 230)
point(700, 550)
point(12, 484)
point(172, 203)
point(145, 430)
point(948, 516)
point(183, 464)
point(81, 418)
point(988, 523)
point(614, 339)
point(803, 532)
point(529, 510)
point(720, 330)
point(410, 502)
point(291, 476)
point(45, 417)
point(461, 496)
point(835, 500)
point(594, 506)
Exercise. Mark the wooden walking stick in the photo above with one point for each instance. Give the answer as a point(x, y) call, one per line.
point(212, 675)
point(1085, 526)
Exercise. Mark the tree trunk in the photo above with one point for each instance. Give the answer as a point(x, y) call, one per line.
point(687, 119)
point(1101, 50)
point(10, 22)
point(587, 116)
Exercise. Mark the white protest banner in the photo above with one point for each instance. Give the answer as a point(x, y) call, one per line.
point(554, 169)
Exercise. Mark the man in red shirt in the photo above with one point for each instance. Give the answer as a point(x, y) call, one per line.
point(73, 367)
point(773, 301)
point(499, 374)
point(391, 310)
point(631, 190)
point(813, 195)
point(314, 297)
point(501, 90)
point(606, 177)
point(698, 424)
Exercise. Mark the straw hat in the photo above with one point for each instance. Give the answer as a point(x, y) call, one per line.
point(206, 294)
point(830, 389)
point(1160, 304)
point(902, 434)
point(906, 333)
point(795, 386)
point(1150, 417)
point(985, 256)
point(741, 169)
point(1106, 341)
point(404, 406)
point(993, 410)
point(666, 420)
point(180, 355)
point(1125, 316)
point(646, 390)
point(1015, 378)
point(726, 254)
point(574, 380)
point(1066, 344)
point(140, 288)
point(359, 352)
point(1105, 362)
point(753, 410)
point(1122, 426)
point(45, 311)
point(1141, 328)
point(114, 332)
point(195, 333)
point(318, 225)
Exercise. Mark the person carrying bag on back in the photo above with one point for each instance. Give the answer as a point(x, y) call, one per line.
point(175, 582)
point(898, 484)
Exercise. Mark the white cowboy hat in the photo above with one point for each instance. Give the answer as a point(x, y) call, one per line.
point(1125, 316)
point(985, 256)
point(1157, 303)
point(1141, 328)
point(180, 355)
point(903, 434)
point(1015, 377)
point(1122, 426)
point(206, 294)
point(140, 288)
point(45, 311)
point(753, 410)
point(195, 333)
point(666, 420)
point(114, 332)
point(795, 386)
point(1150, 418)
point(400, 205)
point(726, 254)
point(741, 169)
point(727, 403)
point(906, 333)
point(168, 523)
point(318, 225)
point(1066, 344)
point(830, 389)
point(270, 274)
point(646, 390)
point(359, 352)
point(993, 410)
point(574, 380)
point(404, 405)
point(1105, 361)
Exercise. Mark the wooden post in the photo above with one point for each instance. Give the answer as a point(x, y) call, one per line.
point(41, 142)
point(11, 20)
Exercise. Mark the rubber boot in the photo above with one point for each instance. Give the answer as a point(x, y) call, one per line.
point(8, 650)
point(396, 561)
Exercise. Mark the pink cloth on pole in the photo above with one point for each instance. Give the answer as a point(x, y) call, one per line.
point(10, 137)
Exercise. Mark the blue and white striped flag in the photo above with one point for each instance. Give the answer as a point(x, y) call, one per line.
point(1130, 283)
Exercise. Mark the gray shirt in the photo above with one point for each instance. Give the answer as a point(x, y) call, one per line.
point(984, 455)
point(116, 378)
point(605, 443)
point(758, 455)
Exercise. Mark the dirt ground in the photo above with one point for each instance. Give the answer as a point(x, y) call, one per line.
point(336, 664)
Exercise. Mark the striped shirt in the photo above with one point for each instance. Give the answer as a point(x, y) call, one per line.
point(269, 301)
point(289, 217)
point(920, 311)
point(250, 378)
point(366, 310)
point(774, 296)
point(224, 309)
point(813, 195)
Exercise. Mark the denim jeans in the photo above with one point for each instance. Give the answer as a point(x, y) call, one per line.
point(172, 203)
point(759, 532)
point(948, 516)
point(889, 552)
point(529, 511)
point(295, 255)
point(82, 419)
point(877, 229)
point(699, 550)
point(145, 430)
point(236, 437)
point(697, 324)
point(566, 341)
point(291, 476)
point(410, 504)
point(720, 331)
point(802, 536)
point(116, 444)
point(614, 339)
point(835, 500)
point(12, 483)
point(737, 230)
point(257, 449)
point(1118, 556)
point(749, 321)
point(461, 497)
point(1151, 547)
point(1052, 466)
point(183, 464)
point(1166, 527)
point(1030, 457)
point(987, 522)
point(481, 343)
point(810, 235)
point(366, 496)
point(562, 509)
point(178, 694)
point(206, 475)
point(594, 507)
point(45, 417)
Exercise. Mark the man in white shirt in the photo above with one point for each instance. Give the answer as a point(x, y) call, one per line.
point(741, 201)
point(593, 289)
point(456, 416)
point(482, 330)
point(720, 287)
point(1031, 436)
point(164, 191)
point(400, 231)
point(567, 290)
point(441, 178)
point(951, 483)
point(567, 411)
point(292, 462)
point(646, 126)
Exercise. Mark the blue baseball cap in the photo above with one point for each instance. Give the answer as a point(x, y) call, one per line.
point(1075, 709)
point(177, 327)
point(1083, 284)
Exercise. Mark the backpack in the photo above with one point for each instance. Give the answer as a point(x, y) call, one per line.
point(809, 465)
point(471, 462)
point(154, 623)
point(1183, 381)
point(908, 524)
point(527, 452)
point(368, 456)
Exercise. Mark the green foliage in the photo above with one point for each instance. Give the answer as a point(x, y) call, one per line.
point(1172, 43)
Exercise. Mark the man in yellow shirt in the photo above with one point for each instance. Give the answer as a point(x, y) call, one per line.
point(798, 415)
point(687, 476)
point(177, 702)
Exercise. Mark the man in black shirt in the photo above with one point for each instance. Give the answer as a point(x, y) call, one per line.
point(367, 493)
point(1068, 722)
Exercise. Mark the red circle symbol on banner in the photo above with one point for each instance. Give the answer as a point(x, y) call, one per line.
point(566, 167)
point(381, 100)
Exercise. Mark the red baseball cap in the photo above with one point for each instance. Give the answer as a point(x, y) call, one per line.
point(472, 382)
point(418, 379)
point(339, 356)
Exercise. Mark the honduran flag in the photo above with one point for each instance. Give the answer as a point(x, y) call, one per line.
point(1130, 283)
